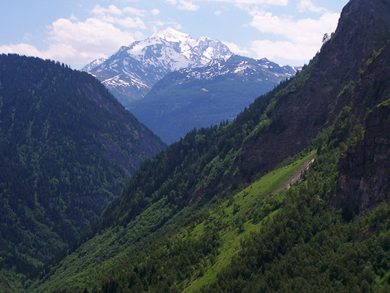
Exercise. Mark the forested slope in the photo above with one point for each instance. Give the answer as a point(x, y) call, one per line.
point(66, 146)
point(185, 221)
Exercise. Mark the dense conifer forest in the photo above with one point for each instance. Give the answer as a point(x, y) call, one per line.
point(66, 147)
point(291, 196)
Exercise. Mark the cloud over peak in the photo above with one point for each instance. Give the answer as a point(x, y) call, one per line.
point(298, 39)
point(287, 31)
point(184, 4)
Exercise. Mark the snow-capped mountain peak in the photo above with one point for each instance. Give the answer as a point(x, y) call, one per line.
point(171, 35)
point(133, 70)
point(175, 50)
point(90, 66)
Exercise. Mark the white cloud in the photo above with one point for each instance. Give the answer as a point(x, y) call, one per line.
point(112, 9)
point(298, 39)
point(285, 39)
point(134, 11)
point(236, 49)
point(129, 22)
point(184, 4)
point(284, 52)
point(158, 24)
point(303, 30)
point(77, 42)
point(241, 3)
point(308, 5)
point(114, 15)
point(155, 12)
point(22, 49)
point(91, 34)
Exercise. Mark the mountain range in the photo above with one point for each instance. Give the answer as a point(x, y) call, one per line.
point(174, 83)
point(204, 96)
point(131, 72)
point(291, 196)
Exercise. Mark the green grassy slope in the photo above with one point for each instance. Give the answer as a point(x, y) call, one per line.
point(243, 214)
point(309, 246)
point(179, 227)
point(259, 239)
point(232, 220)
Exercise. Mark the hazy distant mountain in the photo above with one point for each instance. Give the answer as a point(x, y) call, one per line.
point(174, 82)
point(132, 71)
point(203, 96)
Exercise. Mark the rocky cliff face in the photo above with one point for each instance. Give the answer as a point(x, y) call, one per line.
point(314, 98)
point(364, 178)
point(365, 168)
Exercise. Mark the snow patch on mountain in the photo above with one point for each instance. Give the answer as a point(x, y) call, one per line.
point(89, 67)
point(134, 69)
point(239, 66)
point(174, 50)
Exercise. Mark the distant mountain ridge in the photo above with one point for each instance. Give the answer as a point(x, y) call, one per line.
point(132, 71)
point(242, 66)
point(66, 147)
point(174, 83)
point(204, 96)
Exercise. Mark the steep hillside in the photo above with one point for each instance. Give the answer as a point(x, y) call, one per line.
point(208, 243)
point(276, 126)
point(204, 96)
point(211, 213)
point(132, 71)
point(66, 146)
point(364, 180)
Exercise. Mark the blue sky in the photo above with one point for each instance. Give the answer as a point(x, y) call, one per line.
point(78, 31)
